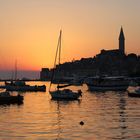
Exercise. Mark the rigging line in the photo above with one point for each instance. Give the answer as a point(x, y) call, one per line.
point(59, 55)
point(55, 60)
point(60, 45)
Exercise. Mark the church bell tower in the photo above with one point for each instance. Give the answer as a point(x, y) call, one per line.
point(122, 42)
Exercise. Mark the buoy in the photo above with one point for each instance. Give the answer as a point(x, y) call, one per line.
point(81, 123)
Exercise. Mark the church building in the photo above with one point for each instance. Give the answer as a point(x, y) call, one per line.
point(120, 51)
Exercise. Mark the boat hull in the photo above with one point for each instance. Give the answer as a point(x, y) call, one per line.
point(25, 88)
point(133, 94)
point(59, 95)
point(107, 83)
point(107, 88)
point(11, 100)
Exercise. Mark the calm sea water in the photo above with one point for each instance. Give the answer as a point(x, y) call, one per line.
point(106, 116)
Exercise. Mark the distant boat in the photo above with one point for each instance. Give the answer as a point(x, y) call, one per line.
point(133, 83)
point(72, 80)
point(135, 93)
point(18, 85)
point(76, 80)
point(65, 94)
point(133, 89)
point(22, 86)
point(6, 98)
point(107, 83)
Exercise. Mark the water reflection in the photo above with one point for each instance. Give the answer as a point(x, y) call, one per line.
point(107, 116)
point(123, 116)
point(59, 120)
point(59, 105)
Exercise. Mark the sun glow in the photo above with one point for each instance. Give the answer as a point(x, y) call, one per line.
point(29, 30)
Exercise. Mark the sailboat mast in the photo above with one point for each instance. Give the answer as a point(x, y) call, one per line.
point(15, 70)
point(57, 50)
point(12, 76)
point(60, 46)
point(59, 55)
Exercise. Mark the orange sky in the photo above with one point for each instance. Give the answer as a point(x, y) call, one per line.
point(29, 29)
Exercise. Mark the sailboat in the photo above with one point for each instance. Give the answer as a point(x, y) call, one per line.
point(7, 98)
point(62, 94)
point(20, 85)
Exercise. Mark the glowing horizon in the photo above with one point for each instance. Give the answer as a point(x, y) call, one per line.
point(29, 30)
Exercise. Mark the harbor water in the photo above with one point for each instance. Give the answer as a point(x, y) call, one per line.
point(106, 116)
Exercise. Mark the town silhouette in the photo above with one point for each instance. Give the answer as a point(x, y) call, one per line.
point(107, 63)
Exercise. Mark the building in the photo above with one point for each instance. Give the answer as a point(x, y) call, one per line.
point(122, 42)
point(45, 74)
point(118, 52)
point(108, 62)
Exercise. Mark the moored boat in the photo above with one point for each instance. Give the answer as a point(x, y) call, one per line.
point(22, 86)
point(134, 93)
point(64, 94)
point(6, 98)
point(107, 83)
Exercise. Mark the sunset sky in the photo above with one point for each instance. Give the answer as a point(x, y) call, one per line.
point(29, 30)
